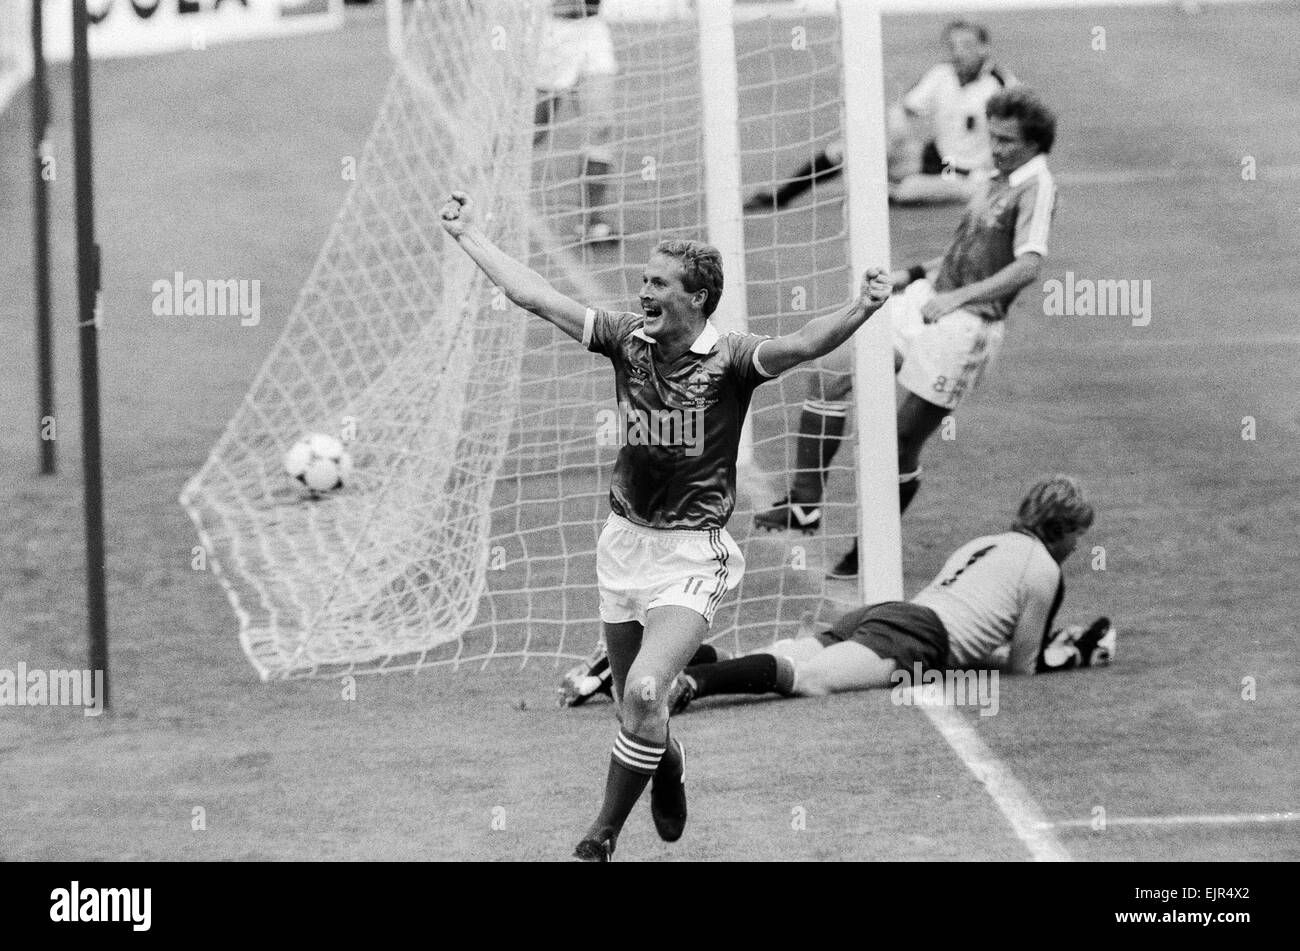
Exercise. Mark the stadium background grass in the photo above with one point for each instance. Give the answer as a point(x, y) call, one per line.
point(226, 162)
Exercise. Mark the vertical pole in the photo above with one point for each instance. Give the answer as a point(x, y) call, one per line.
point(881, 546)
point(88, 285)
point(720, 102)
point(393, 13)
point(41, 241)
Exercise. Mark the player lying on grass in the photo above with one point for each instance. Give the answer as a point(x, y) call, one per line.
point(664, 560)
point(945, 332)
point(938, 137)
point(992, 605)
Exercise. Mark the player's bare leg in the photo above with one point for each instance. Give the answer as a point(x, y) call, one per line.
point(596, 675)
point(596, 101)
point(904, 144)
point(622, 641)
point(847, 665)
point(671, 637)
point(795, 648)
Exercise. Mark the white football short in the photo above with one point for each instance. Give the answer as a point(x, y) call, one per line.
point(639, 568)
point(944, 360)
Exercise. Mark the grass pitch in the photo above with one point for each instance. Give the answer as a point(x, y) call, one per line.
point(227, 162)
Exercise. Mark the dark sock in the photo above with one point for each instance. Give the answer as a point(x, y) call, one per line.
point(821, 430)
point(632, 763)
point(784, 676)
point(907, 491)
point(756, 673)
point(706, 654)
point(819, 169)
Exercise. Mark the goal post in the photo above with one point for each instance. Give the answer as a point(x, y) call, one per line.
point(719, 100)
point(880, 576)
point(393, 23)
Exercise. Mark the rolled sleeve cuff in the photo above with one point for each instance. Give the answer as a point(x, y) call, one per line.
point(758, 365)
point(1031, 247)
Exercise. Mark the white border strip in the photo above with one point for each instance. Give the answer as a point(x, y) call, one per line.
point(1026, 818)
point(787, 9)
point(1259, 818)
point(633, 11)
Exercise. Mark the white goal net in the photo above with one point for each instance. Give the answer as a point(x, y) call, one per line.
point(469, 527)
point(15, 48)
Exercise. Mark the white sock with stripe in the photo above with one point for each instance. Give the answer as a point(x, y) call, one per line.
point(637, 754)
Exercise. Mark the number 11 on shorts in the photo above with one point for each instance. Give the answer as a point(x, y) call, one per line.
point(694, 584)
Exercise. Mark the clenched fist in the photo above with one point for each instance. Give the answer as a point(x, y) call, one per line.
point(876, 287)
point(457, 214)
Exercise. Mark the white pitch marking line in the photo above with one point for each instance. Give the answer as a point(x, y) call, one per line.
point(1259, 818)
point(1026, 818)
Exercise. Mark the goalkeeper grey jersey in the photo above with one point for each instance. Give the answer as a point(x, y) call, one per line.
point(992, 590)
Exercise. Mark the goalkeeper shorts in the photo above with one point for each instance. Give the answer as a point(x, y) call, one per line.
point(900, 631)
point(639, 568)
point(944, 360)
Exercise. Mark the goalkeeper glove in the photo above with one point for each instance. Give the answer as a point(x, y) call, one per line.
point(1077, 646)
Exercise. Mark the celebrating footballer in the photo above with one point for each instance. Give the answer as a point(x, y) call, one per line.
point(664, 560)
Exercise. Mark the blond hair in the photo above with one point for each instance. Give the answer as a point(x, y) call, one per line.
point(1052, 509)
point(701, 267)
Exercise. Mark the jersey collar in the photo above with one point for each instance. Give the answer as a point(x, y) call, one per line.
point(986, 70)
point(703, 343)
point(1027, 171)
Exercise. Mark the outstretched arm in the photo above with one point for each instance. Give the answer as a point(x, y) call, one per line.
point(1006, 282)
point(521, 284)
point(821, 335)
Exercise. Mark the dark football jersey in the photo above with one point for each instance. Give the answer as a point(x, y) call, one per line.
point(679, 427)
point(1010, 216)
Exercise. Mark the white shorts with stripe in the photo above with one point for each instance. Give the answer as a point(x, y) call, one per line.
point(944, 360)
point(639, 568)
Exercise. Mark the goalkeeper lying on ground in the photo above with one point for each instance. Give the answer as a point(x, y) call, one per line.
point(992, 605)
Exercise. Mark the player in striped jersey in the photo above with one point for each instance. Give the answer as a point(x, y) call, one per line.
point(992, 604)
point(949, 322)
point(664, 560)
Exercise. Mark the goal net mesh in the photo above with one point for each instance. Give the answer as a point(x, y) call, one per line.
point(468, 529)
point(15, 48)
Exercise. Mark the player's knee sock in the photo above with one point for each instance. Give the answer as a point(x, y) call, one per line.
point(908, 484)
point(595, 175)
point(631, 764)
point(821, 430)
point(785, 676)
point(819, 169)
point(757, 673)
